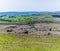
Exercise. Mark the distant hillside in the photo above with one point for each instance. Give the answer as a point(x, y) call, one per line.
point(18, 13)
point(27, 13)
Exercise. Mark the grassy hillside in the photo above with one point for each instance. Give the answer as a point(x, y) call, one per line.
point(27, 19)
point(25, 42)
point(14, 43)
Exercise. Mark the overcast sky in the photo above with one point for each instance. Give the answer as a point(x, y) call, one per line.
point(29, 5)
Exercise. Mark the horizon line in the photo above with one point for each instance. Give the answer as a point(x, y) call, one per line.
point(29, 11)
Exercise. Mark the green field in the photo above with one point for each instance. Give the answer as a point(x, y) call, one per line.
point(11, 42)
point(27, 19)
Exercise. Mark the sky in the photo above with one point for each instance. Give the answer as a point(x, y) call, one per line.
point(29, 5)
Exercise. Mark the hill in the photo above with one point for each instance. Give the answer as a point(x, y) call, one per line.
point(27, 13)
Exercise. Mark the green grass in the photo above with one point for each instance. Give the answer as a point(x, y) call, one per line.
point(11, 42)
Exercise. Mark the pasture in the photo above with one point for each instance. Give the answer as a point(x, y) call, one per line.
point(11, 42)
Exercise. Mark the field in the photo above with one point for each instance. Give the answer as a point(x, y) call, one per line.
point(11, 42)
point(21, 20)
point(14, 37)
